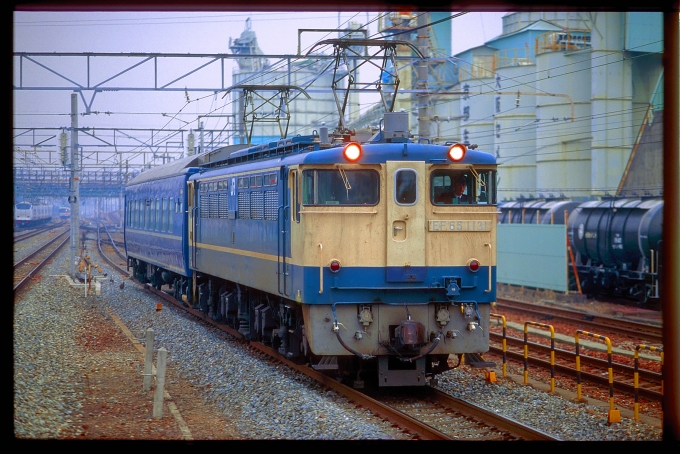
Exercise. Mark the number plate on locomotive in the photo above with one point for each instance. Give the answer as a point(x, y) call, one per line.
point(460, 226)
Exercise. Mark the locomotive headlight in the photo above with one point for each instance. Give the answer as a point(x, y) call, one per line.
point(457, 151)
point(334, 265)
point(473, 265)
point(352, 151)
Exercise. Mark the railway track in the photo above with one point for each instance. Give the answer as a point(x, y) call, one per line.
point(627, 365)
point(596, 323)
point(487, 425)
point(592, 370)
point(28, 267)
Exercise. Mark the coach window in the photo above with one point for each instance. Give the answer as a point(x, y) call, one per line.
point(156, 215)
point(150, 213)
point(405, 186)
point(169, 214)
point(147, 213)
point(164, 215)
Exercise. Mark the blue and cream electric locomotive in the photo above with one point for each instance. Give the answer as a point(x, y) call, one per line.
point(354, 257)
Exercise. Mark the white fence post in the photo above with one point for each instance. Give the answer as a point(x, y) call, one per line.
point(148, 359)
point(160, 383)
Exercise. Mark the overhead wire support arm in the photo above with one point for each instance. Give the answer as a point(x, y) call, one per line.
point(281, 110)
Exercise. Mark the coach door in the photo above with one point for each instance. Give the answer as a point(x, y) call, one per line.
point(191, 211)
point(405, 196)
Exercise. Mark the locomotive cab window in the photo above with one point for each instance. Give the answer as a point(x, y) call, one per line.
point(340, 187)
point(452, 187)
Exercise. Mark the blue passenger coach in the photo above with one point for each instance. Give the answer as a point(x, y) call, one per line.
point(155, 223)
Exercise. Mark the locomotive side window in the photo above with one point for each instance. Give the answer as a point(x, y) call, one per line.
point(296, 196)
point(340, 187)
point(405, 186)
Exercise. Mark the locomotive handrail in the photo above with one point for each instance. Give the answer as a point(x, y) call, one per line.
point(458, 210)
point(490, 262)
point(338, 212)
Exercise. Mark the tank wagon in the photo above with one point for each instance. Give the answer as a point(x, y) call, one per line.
point(340, 253)
point(27, 214)
point(536, 211)
point(616, 241)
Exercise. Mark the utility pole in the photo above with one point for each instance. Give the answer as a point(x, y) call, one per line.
point(74, 186)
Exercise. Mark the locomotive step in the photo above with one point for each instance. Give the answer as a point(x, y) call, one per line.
point(476, 360)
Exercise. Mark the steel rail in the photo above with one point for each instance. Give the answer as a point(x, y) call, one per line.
point(644, 331)
point(42, 263)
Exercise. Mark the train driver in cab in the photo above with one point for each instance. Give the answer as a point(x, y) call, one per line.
point(455, 194)
point(459, 195)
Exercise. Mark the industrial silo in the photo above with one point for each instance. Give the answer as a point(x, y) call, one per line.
point(563, 128)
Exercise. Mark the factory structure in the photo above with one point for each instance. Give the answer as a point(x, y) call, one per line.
point(570, 103)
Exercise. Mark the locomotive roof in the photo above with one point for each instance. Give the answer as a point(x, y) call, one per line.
point(374, 153)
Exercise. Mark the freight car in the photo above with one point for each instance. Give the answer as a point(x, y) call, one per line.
point(616, 241)
point(343, 254)
point(27, 214)
point(536, 211)
point(617, 244)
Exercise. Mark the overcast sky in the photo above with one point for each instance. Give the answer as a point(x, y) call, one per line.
point(177, 32)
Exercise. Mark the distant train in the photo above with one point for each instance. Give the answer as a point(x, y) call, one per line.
point(64, 212)
point(351, 256)
point(27, 214)
point(616, 241)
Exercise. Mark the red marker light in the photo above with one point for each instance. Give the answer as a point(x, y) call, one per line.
point(352, 151)
point(457, 151)
point(335, 266)
point(473, 265)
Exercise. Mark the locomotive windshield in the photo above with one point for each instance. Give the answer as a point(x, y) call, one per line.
point(340, 187)
point(469, 186)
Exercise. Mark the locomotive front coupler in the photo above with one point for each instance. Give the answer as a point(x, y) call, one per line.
point(433, 345)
